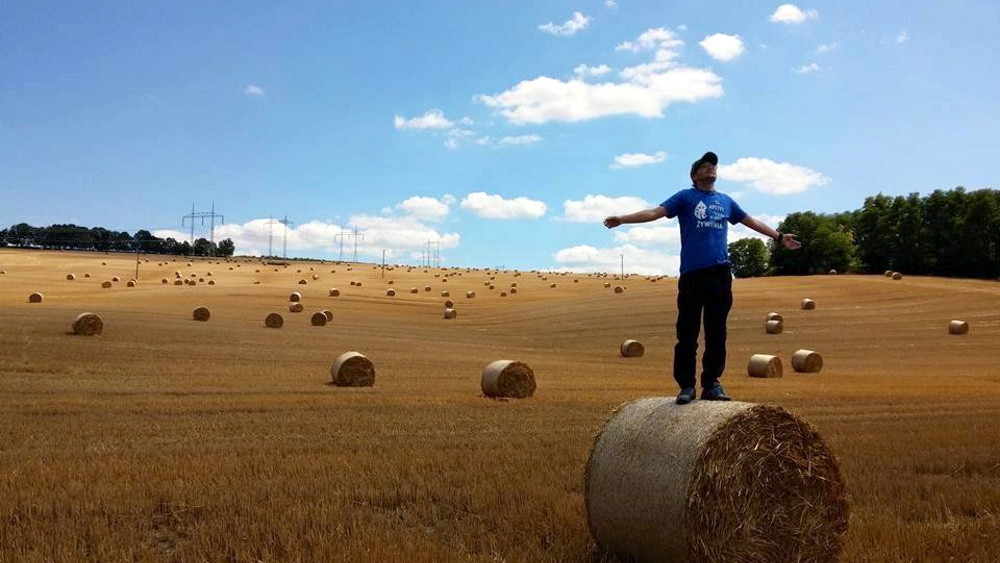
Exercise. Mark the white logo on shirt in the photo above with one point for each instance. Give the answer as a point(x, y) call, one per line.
point(700, 211)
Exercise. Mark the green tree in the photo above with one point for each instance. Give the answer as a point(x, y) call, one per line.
point(225, 248)
point(749, 257)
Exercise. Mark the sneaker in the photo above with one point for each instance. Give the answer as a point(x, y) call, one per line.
point(686, 395)
point(714, 393)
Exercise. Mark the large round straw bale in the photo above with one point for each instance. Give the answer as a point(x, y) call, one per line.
point(201, 314)
point(607, 284)
point(414, 290)
point(714, 482)
point(318, 319)
point(334, 292)
point(552, 284)
point(632, 349)
point(774, 327)
point(88, 324)
point(295, 307)
point(176, 282)
point(86, 275)
point(492, 286)
point(329, 315)
point(763, 365)
point(832, 272)
point(130, 283)
point(808, 304)
point(116, 279)
point(897, 276)
point(192, 282)
point(315, 277)
point(391, 293)
point(353, 370)
point(273, 320)
point(507, 378)
point(211, 282)
point(619, 289)
point(445, 294)
point(503, 294)
point(772, 316)
point(353, 282)
point(513, 284)
point(70, 277)
point(295, 297)
point(450, 313)
point(35, 297)
point(303, 282)
point(807, 361)
point(201, 280)
point(958, 327)
point(427, 288)
point(888, 273)
point(470, 294)
point(449, 304)
point(164, 280)
point(106, 284)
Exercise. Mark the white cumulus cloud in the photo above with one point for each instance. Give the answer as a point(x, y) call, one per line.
point(573, 25)
point(611, 3)
point(584, 70)
point(519, 140)
point(586, 258)
point(253, 90)
point(492, 206)
point(769, 177)
point(433, 119)
point(804, 69)
point(427, 208)
point(666, 236)
point(723, 47)
point(827, 48)
point(634, 160)
point(594, 208)
point(792, 14)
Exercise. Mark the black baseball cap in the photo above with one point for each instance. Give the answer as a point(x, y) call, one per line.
point(710, 157)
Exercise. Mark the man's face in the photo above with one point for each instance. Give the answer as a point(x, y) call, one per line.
point(704, 174)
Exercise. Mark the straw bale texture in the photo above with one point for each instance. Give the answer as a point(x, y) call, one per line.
point(897, 276)
point(35, 297)
point(503, 294)
point(176, 282)
point(318, 319)
point(808, 304)
point(888, 273)
point(714, 482)
point(449, 304)
point(70, 277)
point(450, 313)
point(201, 314)
point(958, 327)
point(130, 283)
point(88, 324)
point(106, 284)
point(774, 327)
point(507, 378)
point(774, 317)
point(116, 279)
point(334, 292)
point(607, 284)
point(87, 275)
point(414, 290)
point(391, 293)
point(445, 294)
point(807, 361)
point(211, 282)
point(632, 349)
point(619, 289)
point(763, 365)
point(470, 294)
point(295, 297)
point(513, 290)
point(352, 369)
point(274, 320)
point(295, 307)
point(329, 315)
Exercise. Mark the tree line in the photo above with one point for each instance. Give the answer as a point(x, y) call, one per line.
point(949, 233)
point(74, 237)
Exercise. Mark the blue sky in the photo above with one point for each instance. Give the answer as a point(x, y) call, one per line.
point(504, 131)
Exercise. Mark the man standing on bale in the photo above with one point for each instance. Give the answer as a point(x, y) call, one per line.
point(706, 282)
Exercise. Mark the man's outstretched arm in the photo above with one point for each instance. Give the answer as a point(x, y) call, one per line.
point(644, 216)
point(788, 240)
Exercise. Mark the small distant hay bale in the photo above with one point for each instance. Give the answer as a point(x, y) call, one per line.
point(86, 275)
point(807, 361)
point(295, 297)
point(897, 276)
point(88, 324)
point(507, 378)
point(176, 282)
point(192, 283)
point(116, 279)
point(445, 294)
point(808, 304)
point(619, 289)
point(201, 280)
point(513, 290)
point(201, 314)
point(130, 283)
point(450, 313)
point(318, 319)
point(210, 273)
point(513, 284)
point(427, 288)
point(492, 286)
point(772, 316)
point(391, 282)
point(164, 280)
point(295, 307)
point(958, 327)
point(470, 294)
point(358, 284)
point(607, 285)
point(391, 293)
point(329, 315)
point(353, 282)
point(888, 273)
point(414, 290)
point(106, 284)
point(334, 292)
point(763, 365)
point(256, 282)
point(449, 304)
point(503, 294)
point(70, 277)
point(552, 284)
point(632, 349)
point(35, 297)
point(353, 369)
point(211, 282)
point(774, 327)
point(303, 282)
point(274, 320)
point(104, 263)
point(733, 481)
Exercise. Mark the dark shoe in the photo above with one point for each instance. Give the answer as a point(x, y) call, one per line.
point(686, 395)
point(714, 393)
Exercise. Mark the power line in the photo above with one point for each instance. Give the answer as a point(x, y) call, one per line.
point(203, 215)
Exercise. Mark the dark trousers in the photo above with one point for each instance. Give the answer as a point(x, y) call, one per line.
point(709, 290)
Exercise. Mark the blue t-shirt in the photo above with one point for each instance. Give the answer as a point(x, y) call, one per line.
point(702, 216)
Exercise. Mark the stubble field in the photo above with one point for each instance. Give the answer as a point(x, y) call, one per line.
point(168, 439)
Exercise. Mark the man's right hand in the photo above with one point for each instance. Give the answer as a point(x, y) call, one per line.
point(612, 221)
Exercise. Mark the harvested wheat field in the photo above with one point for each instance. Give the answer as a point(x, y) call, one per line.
point(163, 439)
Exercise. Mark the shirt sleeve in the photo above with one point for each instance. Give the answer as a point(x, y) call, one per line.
point(736, 213)
point(674, 204)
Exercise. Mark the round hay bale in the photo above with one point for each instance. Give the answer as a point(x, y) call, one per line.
point(772, 316)
point(450, 313)
point(503, 294)
point(492, 286)
point(427, 288)
point(106, 284)
point(513, 284)
point(358, 284)
point(807, 361)
point(211, 282)
point(295, 307)
point(318, 319)
point(164, 280)
point(513, 290)
point(391, 293)
point(774, 327)
point(256, 282)
point(315, 277)
point(958, 327)
point(192, 283)
point(70, 277)
point(414, 290)
point(35, 297)
point(104, 263)
point(832, 272)
point(552, 284)
point(273, 320)
point(295, 297)
point(888, 273)
point(329, 315)
point(449, 304)
point(201, 314)
point(763, 365)
point(116, 279)
point(88, 324)
point(201, 280)
point(334, 292)
point(86, 275)
point(632, 349)
point(619, 289)
point(897, 276)
point(470, 294)
point(303, 282)
point(353, 282)
point(714, 482)
point(176, 282)
point(808, 304)
point(507, 378)
point(445, 294)
point(392, 282)
point(607, 285)
point(353, 370)
point(130, 283)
